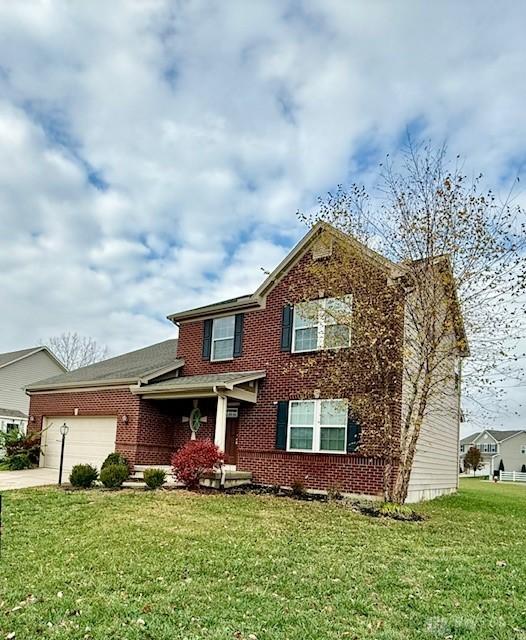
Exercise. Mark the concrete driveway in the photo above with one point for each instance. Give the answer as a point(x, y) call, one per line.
point(27, 478)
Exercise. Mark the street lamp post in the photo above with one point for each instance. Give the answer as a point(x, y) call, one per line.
point(64, 432)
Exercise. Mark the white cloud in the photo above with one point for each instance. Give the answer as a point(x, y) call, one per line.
point(152, 152)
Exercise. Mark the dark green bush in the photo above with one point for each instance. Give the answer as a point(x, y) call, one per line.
point(19, 461)
point(83, 475)
point(113, 475)
point(116, 458)
point(154, 478)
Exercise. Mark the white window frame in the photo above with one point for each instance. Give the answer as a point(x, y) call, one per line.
point(214, 339)
point(321, 324)
point(317, 426)
point(488, 447)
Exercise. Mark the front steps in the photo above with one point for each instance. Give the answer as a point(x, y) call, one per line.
point(227, 478)
point(136, 480)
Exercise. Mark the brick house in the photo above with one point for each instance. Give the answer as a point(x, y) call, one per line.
point(253, 374)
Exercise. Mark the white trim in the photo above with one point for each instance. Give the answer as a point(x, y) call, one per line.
point(32, 353)
point(82, 389)
point(321, 323)
point(316, 427)
point(212, 359)
point(481, 434)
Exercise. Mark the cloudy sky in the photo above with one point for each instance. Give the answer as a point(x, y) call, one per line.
point(153, 153)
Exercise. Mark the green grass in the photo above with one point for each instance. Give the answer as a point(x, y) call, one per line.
point(174, 565)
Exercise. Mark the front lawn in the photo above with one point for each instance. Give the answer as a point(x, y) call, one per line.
point(175, 565)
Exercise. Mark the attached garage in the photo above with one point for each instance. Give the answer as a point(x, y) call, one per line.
point(89, 441)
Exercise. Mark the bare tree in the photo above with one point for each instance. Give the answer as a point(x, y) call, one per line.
point(76, 351)
point(456, 268)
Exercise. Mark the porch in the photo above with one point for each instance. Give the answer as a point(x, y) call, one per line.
point(202, 406)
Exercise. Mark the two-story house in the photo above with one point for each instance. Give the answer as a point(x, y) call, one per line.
point(501, 450)
point(255, 375)
point(17, 370)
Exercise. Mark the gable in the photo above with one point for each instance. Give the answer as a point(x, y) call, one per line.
point(319, 242)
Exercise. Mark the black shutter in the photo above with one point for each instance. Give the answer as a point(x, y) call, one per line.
point(353, 434)
point(238, 335)
point(286, 327)
point(207, 339)
point(282, 424)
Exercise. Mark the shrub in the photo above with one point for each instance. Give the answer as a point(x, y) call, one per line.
point(116, 458)
point(398, 512)
point(298, 489)
point(154, 478)
point(334, 493)
point(113, 475)
point(19, 461)
point(15, 442)
point(83, 475)
point(194, 459)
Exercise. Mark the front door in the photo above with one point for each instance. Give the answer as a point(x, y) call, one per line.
point(231, 440)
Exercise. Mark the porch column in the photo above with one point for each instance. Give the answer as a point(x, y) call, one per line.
point(220, 432)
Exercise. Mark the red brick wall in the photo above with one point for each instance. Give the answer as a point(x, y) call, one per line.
point(292, 376)
point(155, 428)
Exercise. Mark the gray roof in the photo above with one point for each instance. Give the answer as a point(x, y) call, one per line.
point(207, 380)
point(11, 356)
point(495, 433)
point(232, 304)
point(128, 368)
point(11, 413)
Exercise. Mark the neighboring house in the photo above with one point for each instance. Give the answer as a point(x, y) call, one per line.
point(236, 375)
point(17, 370)
point(501, 450)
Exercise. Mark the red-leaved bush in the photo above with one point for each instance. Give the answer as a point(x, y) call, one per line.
point(194, 459)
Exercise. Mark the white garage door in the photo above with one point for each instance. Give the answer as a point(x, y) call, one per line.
point(89, 440)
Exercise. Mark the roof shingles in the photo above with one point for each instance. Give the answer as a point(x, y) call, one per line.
point(127, 368)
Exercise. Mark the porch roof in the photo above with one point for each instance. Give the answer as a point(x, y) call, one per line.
point(207, 384)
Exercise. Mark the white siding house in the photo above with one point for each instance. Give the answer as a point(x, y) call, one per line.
point(504, 450)
point(17, 370)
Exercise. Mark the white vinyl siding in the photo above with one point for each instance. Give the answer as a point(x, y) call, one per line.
point(16, 376)
point(322, 324)
point(436, 462)
point(223, 338)
point(317, 426)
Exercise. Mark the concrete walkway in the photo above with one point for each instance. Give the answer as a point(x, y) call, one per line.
point(27, 478)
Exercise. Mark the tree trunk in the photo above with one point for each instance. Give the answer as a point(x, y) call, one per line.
point(408, 445)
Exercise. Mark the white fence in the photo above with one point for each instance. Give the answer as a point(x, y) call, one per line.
point(513, 476)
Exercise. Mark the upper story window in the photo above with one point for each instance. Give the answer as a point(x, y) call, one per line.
point(487, 447)
point(318, 426)
point(223, 338)
point(322, 324)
